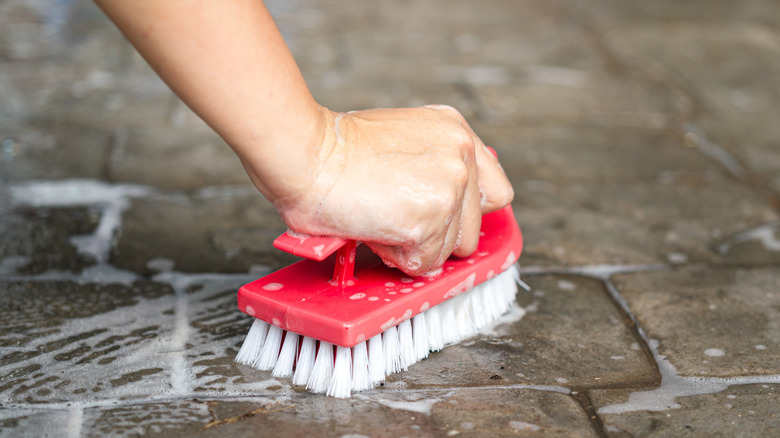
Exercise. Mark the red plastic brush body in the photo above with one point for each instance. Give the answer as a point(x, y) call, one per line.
point(349, 296)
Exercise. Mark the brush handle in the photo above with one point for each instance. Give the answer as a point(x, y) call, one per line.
point(318, 249)
point(311, 247)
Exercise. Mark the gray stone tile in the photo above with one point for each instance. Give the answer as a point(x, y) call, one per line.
point(38, 240)
point(226, 229)
point(679, 220)
point(578, 153)
point(709, 321)
point(63, 341)
point(465, 412)
point(745, 410)
point(754, 246)
point(51, 149)
point(175, 158)
point(160, 419)
point(711, 70)
point(19, 422)
point(572, 336)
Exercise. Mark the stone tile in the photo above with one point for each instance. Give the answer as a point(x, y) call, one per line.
point(155, 419)
point(578, 153)
point(744, 410)
point(226, 229)
point(667, 10)
point(572, 336)
point(718, 322)
point(64, 341)
point(54, 150)
point(754, 246)
point(15, 422)
point(710, 60)
point(87, 342)
point(37, 240)
point(175, 158)
point(465, 412)
point(678, 220)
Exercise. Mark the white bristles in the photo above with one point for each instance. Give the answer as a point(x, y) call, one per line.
point(284, 366)
point(253, 343)
point(360, 376)
point(463, 320)
point(449, 324)
point(421, 344)
point(341, 382)
point(406, 344)
point(323, 369)
point(305, 361)
point(368, 363)
point(476, 310)
point(376, 360)
point(270, 351)
point(391, 351)
point(433, 320)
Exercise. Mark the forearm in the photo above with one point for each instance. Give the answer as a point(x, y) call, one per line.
point(228, 62)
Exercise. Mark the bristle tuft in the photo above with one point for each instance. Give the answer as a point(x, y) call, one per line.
point(449, 323)
point(420, 332)
point(406, 344)
point(391, 351)
point(433, 320)
point(360, 375)
point(270, 351)
point(376, 360)
point(323, 369)
point(341, 381)
point(305, 363)
point(284, 365)
point(253, 344)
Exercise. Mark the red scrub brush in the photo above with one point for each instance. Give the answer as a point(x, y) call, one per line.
point(343, 329)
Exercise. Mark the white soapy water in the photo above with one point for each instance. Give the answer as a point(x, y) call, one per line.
point(112, 198)
point(10, 265)
point(566, 285)
point(167, 351)
point(674, 386)
point(715, 151)
point(418, 402)
point(75, 422)
point(768, 235)
point(523, 426)
point(161, 264)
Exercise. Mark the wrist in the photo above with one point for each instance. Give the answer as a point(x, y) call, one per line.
point(284, 161)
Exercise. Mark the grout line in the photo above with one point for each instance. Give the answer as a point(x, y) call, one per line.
point(583, 399)
point(75, 422)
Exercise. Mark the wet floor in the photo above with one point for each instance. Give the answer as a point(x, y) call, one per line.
point(641, 140)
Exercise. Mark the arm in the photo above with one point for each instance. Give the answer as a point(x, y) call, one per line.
point(412, 183)
point(228, 62)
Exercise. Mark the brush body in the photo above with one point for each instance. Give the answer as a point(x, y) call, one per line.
point(362, 309)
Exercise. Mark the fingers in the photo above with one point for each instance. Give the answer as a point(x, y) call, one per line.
point(494, 186)
point(471, 211)
point(495, 189)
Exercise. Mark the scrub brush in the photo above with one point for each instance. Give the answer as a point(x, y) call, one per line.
point(344, 329)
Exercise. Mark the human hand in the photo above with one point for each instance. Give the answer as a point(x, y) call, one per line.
point(411, 183)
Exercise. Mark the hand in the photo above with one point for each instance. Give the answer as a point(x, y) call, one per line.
point(411, 183)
